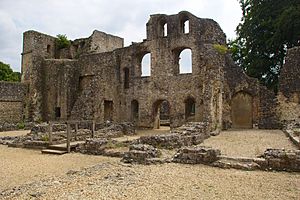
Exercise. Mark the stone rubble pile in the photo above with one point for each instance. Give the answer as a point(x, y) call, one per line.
point(141, 153)
point(282, 160)
point(197, 155)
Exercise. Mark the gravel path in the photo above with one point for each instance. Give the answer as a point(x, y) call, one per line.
point(114, 180)
point(28, 174)
point(249, 143)
point(18, 166)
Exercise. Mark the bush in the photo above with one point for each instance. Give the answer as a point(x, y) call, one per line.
point(21, 125)
point(62, 41)
point(222, 49)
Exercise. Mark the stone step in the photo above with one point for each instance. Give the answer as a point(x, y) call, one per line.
point(52, 151)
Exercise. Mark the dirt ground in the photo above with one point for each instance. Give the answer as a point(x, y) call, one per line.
point(76, 176)
point(249, 143)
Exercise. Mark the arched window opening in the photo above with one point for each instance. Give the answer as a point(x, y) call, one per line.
point(165, 30)
point(186, 26)
point(126, 78)
point(185, 61)
point(134, 110)
point(146, 65)
point(190, 108)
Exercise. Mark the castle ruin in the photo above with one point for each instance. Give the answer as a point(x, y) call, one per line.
point(97, 78)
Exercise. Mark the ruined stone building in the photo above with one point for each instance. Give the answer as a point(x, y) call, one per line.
point(98, 78)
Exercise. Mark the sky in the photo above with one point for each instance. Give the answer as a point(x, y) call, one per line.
point(78, 19)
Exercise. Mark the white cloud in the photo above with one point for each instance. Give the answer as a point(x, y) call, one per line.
point(78, 18)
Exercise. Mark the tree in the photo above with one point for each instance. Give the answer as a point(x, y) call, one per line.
point(62, 41)
point(7, 74)
point(267, 29)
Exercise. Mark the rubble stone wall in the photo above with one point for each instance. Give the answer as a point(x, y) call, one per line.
point(289, 87)
point(12, 101)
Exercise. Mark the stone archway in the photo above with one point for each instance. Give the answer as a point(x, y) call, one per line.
point(161, 113)
point(242, 110)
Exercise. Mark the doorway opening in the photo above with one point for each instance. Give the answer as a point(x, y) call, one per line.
point(161, 114)
point(108, 110)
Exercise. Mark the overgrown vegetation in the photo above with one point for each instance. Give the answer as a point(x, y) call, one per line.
point(222, 49)
point(266, 31)
point(62, 41)
point(21, 125)
point(7, 74)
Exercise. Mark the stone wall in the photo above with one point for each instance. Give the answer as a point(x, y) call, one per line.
point(12, 101)
point(289, 87)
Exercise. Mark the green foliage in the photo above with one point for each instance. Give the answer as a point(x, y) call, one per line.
point(267, 29)
point(21, 125)
point(222, 49)
point(7, 74)
point(62, 41)
point(45, 138)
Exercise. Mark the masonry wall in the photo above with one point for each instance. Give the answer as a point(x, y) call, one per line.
point(12, 101)
point(289, 87)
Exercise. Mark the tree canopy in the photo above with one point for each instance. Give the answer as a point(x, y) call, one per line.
point(267, 29)
point(7, 74)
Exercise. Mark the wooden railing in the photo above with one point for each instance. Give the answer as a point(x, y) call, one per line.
point(69, 130)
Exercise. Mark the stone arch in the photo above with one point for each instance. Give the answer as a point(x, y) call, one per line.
point(242, 110)
point(184, 24)
point(163, 28)
point(183, 60)
point(161, 113)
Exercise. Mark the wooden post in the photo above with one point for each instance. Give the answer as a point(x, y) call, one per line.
point(76, 130)
point(93, 128)
point(50, 133)
point(68, 137)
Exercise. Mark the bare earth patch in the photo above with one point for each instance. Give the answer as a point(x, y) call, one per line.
point(14, 133)
point(248, 143)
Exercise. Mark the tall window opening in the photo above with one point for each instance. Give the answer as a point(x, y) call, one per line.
point(185, 61)
point(126, 78)
point(146, 65)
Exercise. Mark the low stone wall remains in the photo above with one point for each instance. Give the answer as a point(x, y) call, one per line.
point(192, 133)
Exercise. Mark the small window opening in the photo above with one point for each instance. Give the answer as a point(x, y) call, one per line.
point(186, 26)
point(165, 30)
point(126, 78)
point(57, 112)
point(185, 61)
point(146, 65)
point(48, 48)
